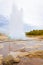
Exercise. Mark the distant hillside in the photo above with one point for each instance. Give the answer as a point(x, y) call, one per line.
point(35, 32)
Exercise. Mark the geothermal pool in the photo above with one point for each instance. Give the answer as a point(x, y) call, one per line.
point(27, 45)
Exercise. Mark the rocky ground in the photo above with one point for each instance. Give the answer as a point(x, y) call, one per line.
point(22, 58)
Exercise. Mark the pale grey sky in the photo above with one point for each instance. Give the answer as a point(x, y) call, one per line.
point(33, 10)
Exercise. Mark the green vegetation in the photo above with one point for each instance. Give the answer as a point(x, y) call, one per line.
point(35, 32)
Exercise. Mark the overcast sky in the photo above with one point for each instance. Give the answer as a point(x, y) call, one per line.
point(33, 10)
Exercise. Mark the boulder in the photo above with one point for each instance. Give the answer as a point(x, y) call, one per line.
point(10, 60)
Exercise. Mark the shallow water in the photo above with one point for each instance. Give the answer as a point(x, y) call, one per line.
point(28, 45)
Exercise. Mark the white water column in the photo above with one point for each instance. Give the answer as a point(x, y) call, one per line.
point(16, 30)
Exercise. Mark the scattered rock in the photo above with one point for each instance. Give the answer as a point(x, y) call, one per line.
point(9, 60)
point(18, 54)
point(1, 59)
point(16, 60)
point(22, 50)
point(36, 54)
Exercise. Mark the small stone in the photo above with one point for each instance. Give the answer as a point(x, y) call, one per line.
point(17, 60)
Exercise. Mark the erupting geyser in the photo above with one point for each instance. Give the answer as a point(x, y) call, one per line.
point(16, 30)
